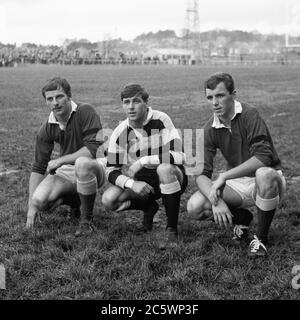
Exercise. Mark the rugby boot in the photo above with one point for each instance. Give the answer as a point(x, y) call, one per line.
point(257, 248)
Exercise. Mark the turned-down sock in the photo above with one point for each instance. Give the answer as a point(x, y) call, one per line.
point(265, 213)
point(87, 193)
point(171, 193)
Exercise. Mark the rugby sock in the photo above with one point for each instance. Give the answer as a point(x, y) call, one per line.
point(241, 221)
point(148, 206)
point(265, 213)
point(241, 216)
point(171, 199)
point(143, 205)
point(72, 200)
point(87, 194)
point(264, 219)
point(172, 204)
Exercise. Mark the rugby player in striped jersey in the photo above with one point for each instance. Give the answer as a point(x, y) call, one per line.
point(144, 163)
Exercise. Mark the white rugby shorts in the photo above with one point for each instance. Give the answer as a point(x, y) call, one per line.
point(67, 172)
point(245, 187)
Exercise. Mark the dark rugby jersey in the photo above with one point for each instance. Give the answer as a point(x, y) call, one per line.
point(81, 130)
point(249, 137)
point(158, 137)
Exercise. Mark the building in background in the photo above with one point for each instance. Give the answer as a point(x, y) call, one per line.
point(169, 56)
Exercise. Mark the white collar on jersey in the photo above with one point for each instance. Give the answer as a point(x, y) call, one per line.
point(237, 109)
point(53, 120)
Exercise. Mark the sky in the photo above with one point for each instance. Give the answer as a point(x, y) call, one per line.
point(51, 21)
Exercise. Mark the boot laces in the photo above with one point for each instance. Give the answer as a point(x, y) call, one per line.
point(238, 230)
point(255, 244)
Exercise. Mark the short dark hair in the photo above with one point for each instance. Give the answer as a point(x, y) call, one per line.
point(212, 82)
point(133, 89)
point(56, 84)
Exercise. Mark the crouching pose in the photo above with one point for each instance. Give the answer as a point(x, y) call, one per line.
point(253, 176)
point(145, 162)
point(74, 128)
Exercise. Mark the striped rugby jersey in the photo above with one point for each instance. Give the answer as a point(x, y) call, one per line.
point(158, 138)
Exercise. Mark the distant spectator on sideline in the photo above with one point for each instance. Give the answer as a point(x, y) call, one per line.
point(74, 126)
point(253, 176)
point(144, 162)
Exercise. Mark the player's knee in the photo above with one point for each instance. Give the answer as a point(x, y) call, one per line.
point(265, 174)
point(190, 206)
point(193, 206)
point(109, 200)
point(196, 205)
point(101, 176)
point(39, 202)
point(165, 170)
point(83, 167)
point(266, 180)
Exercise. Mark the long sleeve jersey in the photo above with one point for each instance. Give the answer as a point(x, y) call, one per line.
point(249, 136)
point(81, 130)
point(158, 137)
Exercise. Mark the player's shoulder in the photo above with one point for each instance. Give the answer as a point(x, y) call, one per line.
point(209, 123)
point(248, 109)
point(46, 131)
point(83, 107)
point(157, 114)
point(120, 129)
point(86, 111)
point(249, 113)
point(161, 118)
point(43, 128)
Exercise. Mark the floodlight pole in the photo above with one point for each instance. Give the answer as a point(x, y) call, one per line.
point(192, 30)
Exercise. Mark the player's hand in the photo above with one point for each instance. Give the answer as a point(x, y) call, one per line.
point(215, 191)
point(53, 165)
point(134, 168)
point(30, 222)
point(142, 188)
point(213, 196)
point(222, 215)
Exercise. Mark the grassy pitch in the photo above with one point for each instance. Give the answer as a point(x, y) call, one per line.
point(118, 261)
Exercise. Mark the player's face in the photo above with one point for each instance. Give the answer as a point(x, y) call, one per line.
point(59, 103)
point(135, 109)
point(221, 100)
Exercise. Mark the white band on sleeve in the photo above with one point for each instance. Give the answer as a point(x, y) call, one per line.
point(121, 180)
point(129, 183)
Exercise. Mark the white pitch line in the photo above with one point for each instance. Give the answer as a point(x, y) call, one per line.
point(7, 172)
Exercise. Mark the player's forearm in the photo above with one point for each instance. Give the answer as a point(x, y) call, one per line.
point(247, 168)
point(34, 180)
point(71, 158)
point(204, 185)
point(116, 177)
